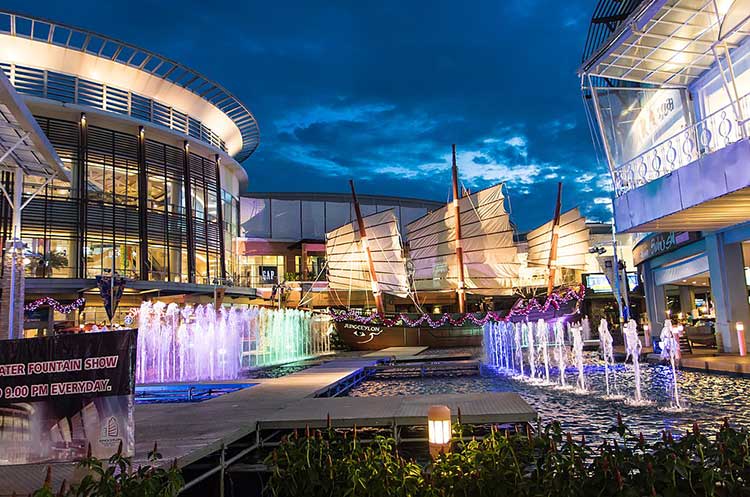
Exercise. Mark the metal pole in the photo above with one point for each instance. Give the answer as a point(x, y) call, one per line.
point(552, 262)
point(17, 199)
point(616, 274)
point(371, 265)
point(461, 291)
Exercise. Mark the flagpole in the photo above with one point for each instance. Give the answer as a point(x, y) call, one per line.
point(112, 283)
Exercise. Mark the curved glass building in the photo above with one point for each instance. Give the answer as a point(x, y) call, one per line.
point(154, 150)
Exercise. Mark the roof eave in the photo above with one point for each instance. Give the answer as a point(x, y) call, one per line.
point(639, 18)
point(26, 120)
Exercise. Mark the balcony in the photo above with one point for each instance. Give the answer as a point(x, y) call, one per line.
point(690, 144)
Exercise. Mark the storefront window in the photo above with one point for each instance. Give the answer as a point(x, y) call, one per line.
point(157, 193)
point(260, 271)
point(157, 263)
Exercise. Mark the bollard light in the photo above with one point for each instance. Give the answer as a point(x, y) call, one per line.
point(439, 429)
point(741, 337)
point(646, 335)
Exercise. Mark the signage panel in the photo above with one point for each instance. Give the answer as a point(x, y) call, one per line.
point(662, 243)
point(269, 275)
point(61, 394)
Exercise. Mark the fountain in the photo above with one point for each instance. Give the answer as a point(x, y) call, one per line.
point(605, 343)
point(670, 349)
point(576, 330)
point(586, 328)
point(527, 328)
point(517, 341)
point(560, 350)
point(193, 343)
point(542, 337)
point(633, 350)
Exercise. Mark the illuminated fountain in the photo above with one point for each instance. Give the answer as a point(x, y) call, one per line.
point(561, 351)
point(576, 331)
point(670, 349)
point(633, 350)
point(194, 343)
point(542, 338)
point(605, 343)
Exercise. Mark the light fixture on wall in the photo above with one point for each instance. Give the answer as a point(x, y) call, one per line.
point(439, 429)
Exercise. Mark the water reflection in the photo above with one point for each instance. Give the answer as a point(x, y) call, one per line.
point(709, 398)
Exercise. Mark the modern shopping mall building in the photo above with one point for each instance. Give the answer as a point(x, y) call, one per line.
point(153, 149)
point(667, 86)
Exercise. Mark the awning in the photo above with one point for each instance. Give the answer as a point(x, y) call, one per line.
point(22, 143)
point(669, 43)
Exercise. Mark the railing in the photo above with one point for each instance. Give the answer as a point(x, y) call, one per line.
point(712, 133)
point(72, 89)
point(80, 40)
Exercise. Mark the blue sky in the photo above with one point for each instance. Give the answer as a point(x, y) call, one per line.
point(378, 91)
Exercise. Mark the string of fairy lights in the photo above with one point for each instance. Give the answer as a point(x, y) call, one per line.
point(54, 304)
point(523, 309)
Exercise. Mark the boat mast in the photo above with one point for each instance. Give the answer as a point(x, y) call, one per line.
point(459, 250)
point(552, 264)
point(363, 238)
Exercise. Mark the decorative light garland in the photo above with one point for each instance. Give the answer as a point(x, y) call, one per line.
point(521, 309)
point(57, 306)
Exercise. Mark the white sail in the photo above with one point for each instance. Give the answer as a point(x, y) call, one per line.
point(572, 245)
point(347, 261)
point(489, 254)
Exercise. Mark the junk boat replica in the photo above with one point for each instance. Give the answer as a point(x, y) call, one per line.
point(464, 247)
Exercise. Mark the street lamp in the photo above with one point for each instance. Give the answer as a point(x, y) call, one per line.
point(622, 297)
point(438, 429)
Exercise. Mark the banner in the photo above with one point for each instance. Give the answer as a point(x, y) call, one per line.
point(61, 393)
point(111, 292)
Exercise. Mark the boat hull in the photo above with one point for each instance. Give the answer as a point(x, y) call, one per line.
point(360, 336)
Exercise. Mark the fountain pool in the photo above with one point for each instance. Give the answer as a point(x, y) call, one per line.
point(709, 398)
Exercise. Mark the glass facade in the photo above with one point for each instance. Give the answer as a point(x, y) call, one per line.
point(126, 209)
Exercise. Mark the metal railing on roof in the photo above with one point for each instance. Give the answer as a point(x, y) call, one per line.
point(712, 133)
point(81, 40)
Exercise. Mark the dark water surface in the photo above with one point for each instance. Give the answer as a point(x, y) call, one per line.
point(707, 398)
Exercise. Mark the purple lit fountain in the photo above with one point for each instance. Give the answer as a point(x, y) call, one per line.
point(195, 343)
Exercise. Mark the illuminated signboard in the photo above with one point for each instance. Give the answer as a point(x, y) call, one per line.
point(598, 283)
point(661, 243)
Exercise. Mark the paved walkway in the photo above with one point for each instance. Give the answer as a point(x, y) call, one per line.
point(189, 432)
point(717, 363)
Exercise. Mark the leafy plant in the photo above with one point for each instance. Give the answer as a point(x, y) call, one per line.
point(41, 265)
point(550, 463)
point(119, 478)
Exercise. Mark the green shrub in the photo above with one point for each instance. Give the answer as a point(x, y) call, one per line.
point(118, 478)
point(550, 463)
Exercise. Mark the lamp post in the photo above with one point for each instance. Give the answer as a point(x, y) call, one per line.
point(617, 272)
point(740, 327)
point(439, 429)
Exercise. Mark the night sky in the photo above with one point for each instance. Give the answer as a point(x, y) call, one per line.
point(378, 91)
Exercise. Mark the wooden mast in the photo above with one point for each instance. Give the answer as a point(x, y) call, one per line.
point(552, 264)
point(363, 239)
point(459, 250)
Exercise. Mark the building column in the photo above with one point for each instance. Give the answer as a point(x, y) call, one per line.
point(726, 269)
point(12, 303)
point(189, 212)
point(220, 218)
point(143, 207)
point(687, 299)
point(656, 299)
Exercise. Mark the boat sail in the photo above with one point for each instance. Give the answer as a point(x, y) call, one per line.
point(473, 243)
point(562, 242)
point(347, 256)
